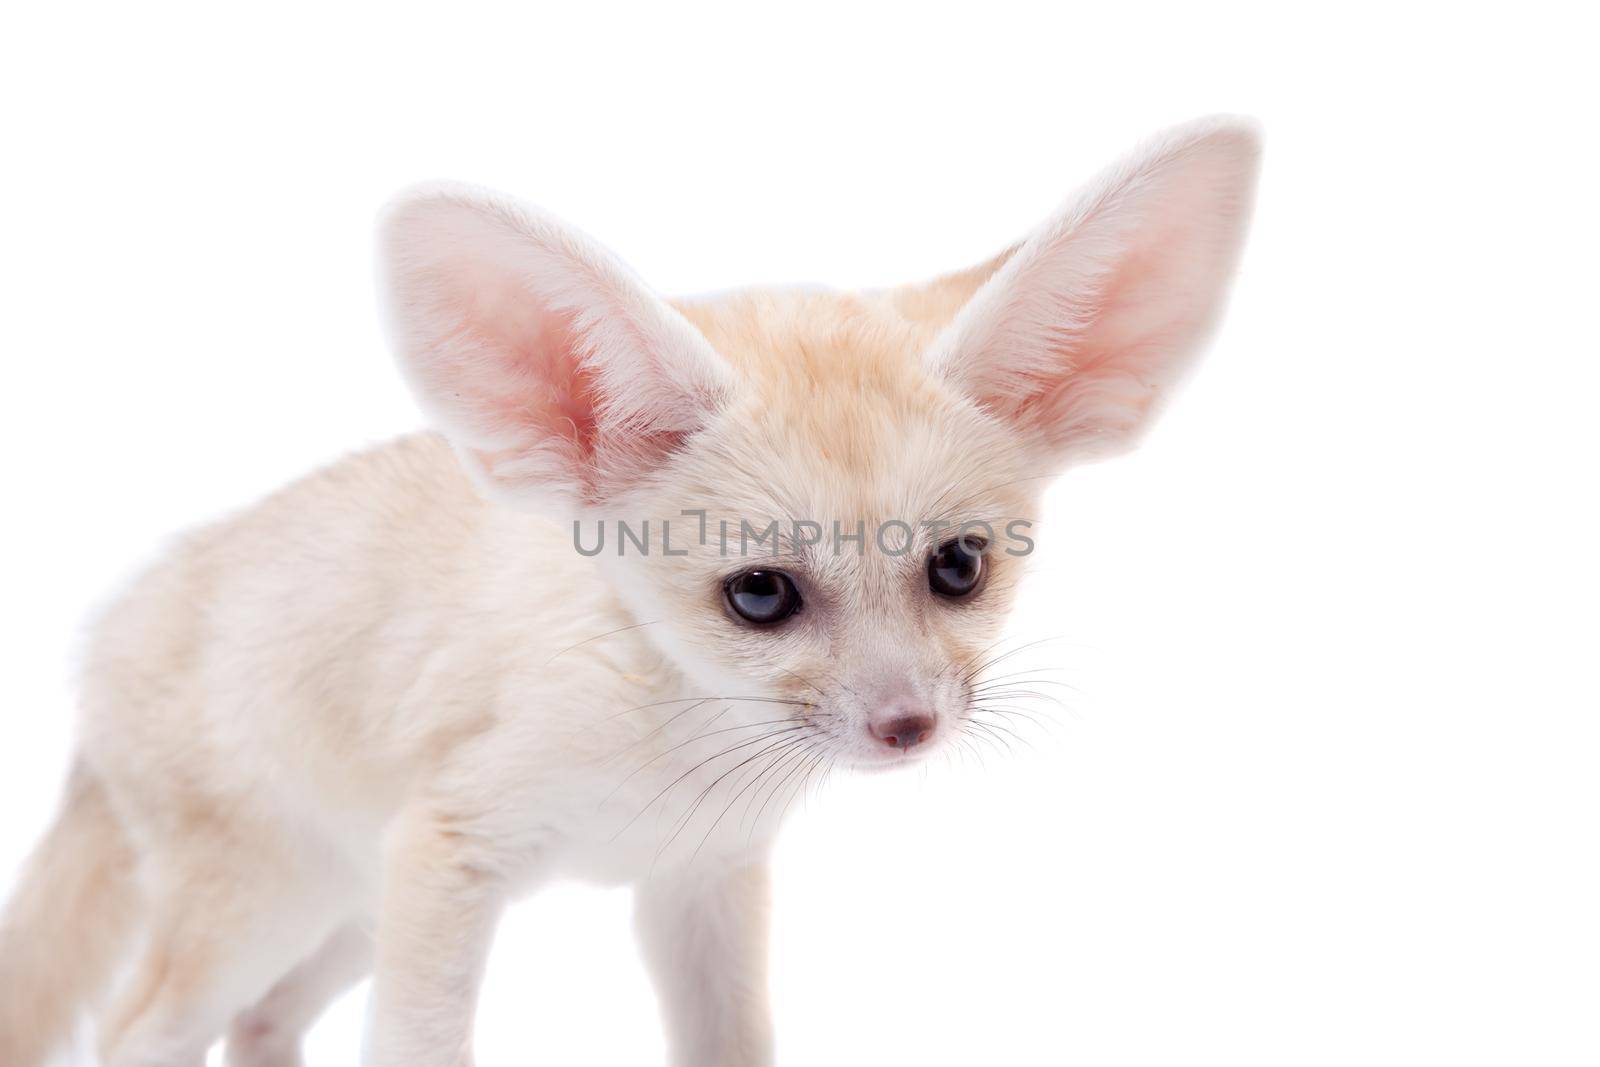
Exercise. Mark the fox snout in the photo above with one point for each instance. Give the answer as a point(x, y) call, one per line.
point(902, 727)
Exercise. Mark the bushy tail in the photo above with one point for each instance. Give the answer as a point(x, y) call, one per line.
point(64, 927)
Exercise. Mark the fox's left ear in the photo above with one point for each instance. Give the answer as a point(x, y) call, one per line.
point(1080, 333)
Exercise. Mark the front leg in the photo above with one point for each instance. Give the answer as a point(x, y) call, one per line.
point(704, 935)
point(436, 919)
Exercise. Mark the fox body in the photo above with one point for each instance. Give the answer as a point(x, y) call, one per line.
point(333, 735)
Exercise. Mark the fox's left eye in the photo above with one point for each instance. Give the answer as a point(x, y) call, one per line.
point(957, 567)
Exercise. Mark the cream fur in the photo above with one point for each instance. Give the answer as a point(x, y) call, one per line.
point(349, 724)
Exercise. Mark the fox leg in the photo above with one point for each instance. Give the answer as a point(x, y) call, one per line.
point(268, 1034)
point(704, 935)
point(226, 923)
point(441, 901)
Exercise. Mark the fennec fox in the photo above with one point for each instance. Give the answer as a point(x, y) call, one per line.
point(661, 565)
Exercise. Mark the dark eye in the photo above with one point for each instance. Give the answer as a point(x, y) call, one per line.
point(957, 568)
point(763, 597)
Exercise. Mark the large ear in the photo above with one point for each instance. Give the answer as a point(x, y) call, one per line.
point(559, 377)
point(1080, 333)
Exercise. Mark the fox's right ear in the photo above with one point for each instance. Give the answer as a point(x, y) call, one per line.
point(559, 377)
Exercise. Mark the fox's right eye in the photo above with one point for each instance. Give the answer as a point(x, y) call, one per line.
point(956, 569)
point(762, 597)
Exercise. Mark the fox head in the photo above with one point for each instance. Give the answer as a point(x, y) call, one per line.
point(827, 493)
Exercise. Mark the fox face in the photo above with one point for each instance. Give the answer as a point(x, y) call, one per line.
point(820, 501)
point(863, 531)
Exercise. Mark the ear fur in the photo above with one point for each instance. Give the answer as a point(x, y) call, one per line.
point(559, 377)
point(1080, 333)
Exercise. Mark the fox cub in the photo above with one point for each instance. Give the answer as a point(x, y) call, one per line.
point(659, 566)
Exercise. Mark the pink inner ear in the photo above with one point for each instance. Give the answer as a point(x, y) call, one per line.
point(1107, 376)
point(526, 380)
point(511, 368)
point(554, 393)
point(553, 370)
point(1078, 337)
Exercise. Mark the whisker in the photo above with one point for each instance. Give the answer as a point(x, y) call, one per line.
point(1042, 721)
point(696, 736)
point(658, 729)
point(1021, 679)
point(772, 793)
point(734, 800)
point(769, 774)
point(689, 815)
point(730, 749)
point(655, 704)
point(597, 637)
point(989, 730)
point(701, 733)
point(682, 700)
point(983, 738)
point(784, 811)
point(1005, 656)
point(1009, 691)
point(1006, 730)
point(976, 656)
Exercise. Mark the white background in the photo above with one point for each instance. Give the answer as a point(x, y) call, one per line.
point(1328, 794)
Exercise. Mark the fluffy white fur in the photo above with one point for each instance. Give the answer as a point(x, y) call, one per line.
point(338, 732)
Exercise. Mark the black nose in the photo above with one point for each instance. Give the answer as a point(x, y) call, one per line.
point(904, 731)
